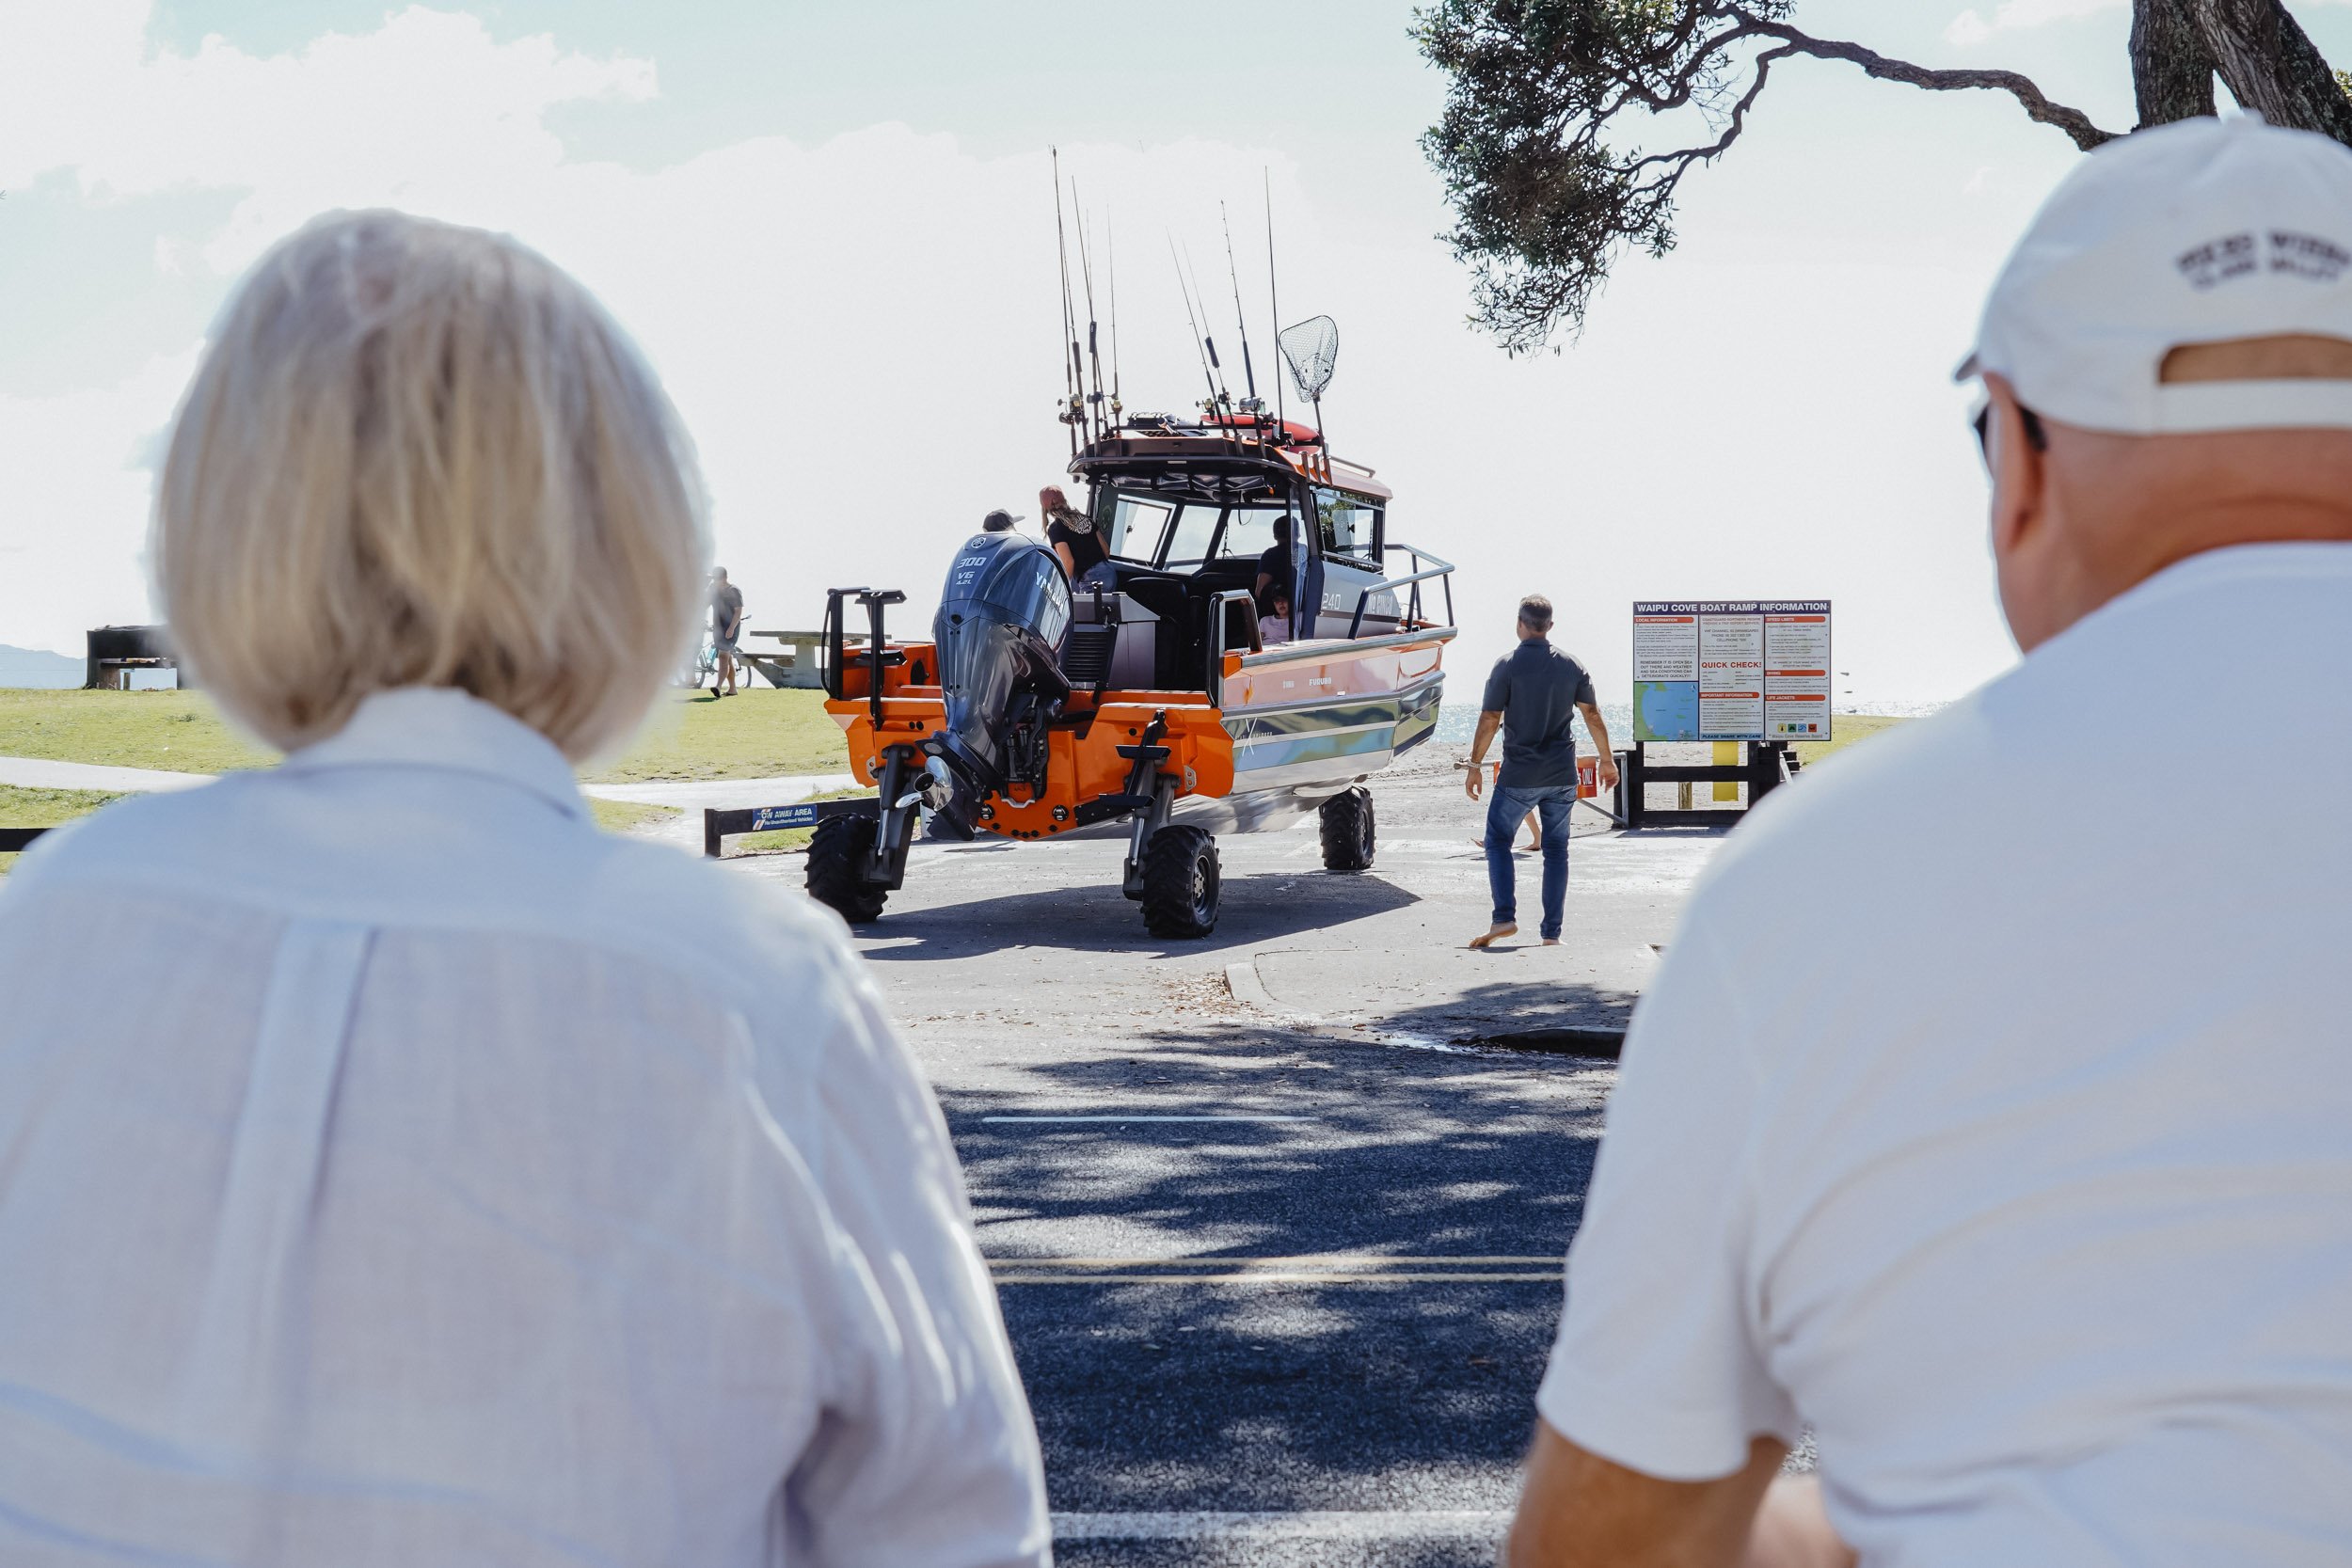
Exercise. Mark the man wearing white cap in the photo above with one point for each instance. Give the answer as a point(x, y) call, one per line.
point(1990, 1116)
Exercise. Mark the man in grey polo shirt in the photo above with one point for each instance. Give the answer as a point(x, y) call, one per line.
point(1533, 697)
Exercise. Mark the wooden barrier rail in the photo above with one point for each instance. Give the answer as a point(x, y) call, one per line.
point(1762, 772)
point(721, 824)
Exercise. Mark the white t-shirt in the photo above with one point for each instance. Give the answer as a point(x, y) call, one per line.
point(1273, 629)
point(1992, 1112)
point(395, 1170)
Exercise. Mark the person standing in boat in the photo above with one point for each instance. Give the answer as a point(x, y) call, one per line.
point(1074, 539)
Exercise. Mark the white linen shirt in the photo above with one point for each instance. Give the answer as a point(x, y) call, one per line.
point(1992, 1113)
point(394, 1170)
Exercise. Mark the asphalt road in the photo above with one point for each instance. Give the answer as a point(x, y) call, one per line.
point(1308, 1332)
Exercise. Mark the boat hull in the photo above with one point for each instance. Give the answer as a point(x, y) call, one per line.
point(1307, 721)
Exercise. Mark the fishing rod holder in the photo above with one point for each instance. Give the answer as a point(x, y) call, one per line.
point(874, 657)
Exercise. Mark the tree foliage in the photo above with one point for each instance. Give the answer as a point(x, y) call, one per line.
point(1548, 186)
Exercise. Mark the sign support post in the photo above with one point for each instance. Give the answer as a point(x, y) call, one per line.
point(1733, 672)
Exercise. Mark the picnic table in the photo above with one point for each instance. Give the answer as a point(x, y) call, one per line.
point(796, 662)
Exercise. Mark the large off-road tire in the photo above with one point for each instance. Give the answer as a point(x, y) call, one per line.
point(1181, 878)
point(835, 854)
point(1349, 840)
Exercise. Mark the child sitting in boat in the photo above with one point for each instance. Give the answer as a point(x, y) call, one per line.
point(1276, 628)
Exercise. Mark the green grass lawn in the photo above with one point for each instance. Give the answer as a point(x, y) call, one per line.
point(764, 734)
point(1845, 729)
point(44, 808)
point(178, 731)
point(620, 817)
point(693, 735)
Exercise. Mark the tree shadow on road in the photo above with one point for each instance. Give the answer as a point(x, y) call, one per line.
point(1260, 1396)
point(1537, 1013)
point(1256, 908)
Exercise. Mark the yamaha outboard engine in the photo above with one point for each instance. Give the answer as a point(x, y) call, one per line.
point(1001, 621)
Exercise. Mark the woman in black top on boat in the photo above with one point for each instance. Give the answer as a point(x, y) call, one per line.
point(1073, 534)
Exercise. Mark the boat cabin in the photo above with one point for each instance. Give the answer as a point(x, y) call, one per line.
point(1193, 517)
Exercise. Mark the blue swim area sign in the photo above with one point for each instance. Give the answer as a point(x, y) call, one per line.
point(1731, 670)
point(769, 818)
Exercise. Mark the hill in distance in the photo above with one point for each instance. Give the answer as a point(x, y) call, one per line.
point(38, 667)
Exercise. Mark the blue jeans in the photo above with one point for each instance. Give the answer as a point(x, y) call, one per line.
point(1505, 810)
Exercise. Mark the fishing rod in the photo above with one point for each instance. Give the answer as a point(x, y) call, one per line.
point(1241, 322)
point(1274, 303)
point(1086, 271)
point(1223, 394)
point(1110, 246)
point(1072, 381)
point(1199, 339)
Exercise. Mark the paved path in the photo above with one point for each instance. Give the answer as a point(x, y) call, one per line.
point(1277, 1238)
point(722, 794)
point(691, 794)
point(41, 774)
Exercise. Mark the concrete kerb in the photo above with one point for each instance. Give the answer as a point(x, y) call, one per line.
point(1243, 985)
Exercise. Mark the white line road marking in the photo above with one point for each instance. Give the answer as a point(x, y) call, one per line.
point(1150, 1119)
point(1311, 1269)
point(1359, 1260)
point(1305, 1525)
point(1252, 1277)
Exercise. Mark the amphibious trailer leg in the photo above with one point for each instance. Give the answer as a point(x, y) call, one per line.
point(1150, 822)
point(1172, 871)
point(857, 862)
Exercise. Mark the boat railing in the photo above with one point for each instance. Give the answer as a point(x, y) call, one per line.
point(1434, 567)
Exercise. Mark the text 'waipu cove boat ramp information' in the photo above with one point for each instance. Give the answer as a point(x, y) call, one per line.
point(1731, 670)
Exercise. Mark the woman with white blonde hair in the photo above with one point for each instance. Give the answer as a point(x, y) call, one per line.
point(393, 1169)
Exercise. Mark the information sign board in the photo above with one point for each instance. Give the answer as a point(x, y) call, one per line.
point(1731, 670)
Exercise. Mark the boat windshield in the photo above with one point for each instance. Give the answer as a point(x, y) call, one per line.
point(1250, 531)
point(1132, 524)
point(1195, 536)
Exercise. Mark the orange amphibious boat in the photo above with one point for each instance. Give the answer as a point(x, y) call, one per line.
point(1159, 696)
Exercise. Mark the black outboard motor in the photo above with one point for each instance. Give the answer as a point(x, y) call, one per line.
point(999, 630)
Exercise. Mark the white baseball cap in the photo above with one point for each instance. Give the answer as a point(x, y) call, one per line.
point(2202, 231)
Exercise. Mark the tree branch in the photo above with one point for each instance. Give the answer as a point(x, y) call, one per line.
point(1543, 203)
point(2037, 104)
point(2171, 68)
point(1689, 155)
point(2272, 67)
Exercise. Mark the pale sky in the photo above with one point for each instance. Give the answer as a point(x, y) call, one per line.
point(830, 228)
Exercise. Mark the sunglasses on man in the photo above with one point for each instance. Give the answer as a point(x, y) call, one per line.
point(2036, 437)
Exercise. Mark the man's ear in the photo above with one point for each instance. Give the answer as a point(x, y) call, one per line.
point(2019, 473)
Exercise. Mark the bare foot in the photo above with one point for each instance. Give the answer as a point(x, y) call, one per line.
point(1551, 942)
point(1495, 934)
